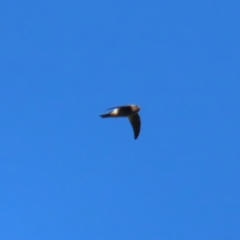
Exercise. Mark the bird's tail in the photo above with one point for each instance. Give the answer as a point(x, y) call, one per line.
point(106, 115)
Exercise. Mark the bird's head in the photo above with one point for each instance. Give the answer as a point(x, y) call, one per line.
point(135, 108)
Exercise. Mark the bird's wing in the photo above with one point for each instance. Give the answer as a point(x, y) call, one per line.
point(136, 124)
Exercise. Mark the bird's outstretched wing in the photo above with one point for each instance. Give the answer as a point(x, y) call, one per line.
point(136, 124)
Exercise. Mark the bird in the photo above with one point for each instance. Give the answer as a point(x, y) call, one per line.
point(130, 111)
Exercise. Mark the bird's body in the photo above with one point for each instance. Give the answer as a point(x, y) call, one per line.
point(130, 111)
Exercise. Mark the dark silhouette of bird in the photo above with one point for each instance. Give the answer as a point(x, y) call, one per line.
point(130, 111)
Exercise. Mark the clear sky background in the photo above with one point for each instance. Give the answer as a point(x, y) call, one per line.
point(67, 174)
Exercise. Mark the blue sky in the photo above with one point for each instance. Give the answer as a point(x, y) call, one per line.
point(66, 173)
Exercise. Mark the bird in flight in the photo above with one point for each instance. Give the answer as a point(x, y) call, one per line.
point(130, 111)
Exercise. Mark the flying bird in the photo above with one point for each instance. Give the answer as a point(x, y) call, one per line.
point(130, 111)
